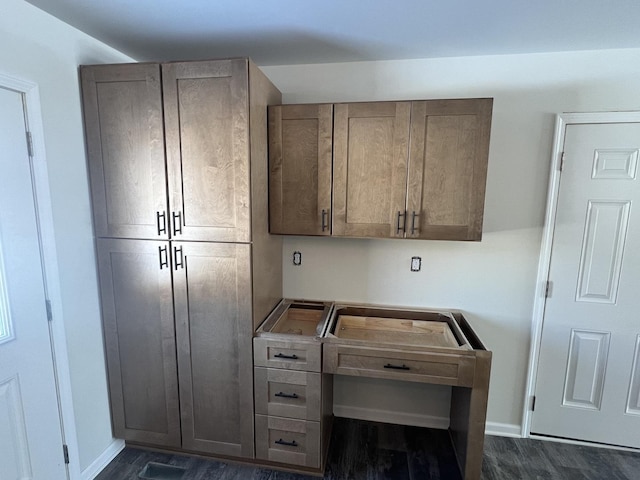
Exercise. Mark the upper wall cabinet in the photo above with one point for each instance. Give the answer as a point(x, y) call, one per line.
point(300, 145)
point(400, 169)
point(200, 191)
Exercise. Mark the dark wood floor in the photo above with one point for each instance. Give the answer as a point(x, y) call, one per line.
point(367, 450)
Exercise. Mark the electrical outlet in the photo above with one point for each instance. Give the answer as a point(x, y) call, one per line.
point(297, 258)
point(416, 264)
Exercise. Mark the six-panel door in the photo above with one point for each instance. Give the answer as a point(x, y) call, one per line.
point(212, 291)
point(206, 126)
point(137, 314)
point(125, 147)
point(300, 141)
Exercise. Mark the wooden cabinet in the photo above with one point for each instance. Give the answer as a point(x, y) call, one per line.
point(187, 266)
point(300, 169)
point(400, 170)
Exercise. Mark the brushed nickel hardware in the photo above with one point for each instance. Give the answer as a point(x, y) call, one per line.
point(165, 262)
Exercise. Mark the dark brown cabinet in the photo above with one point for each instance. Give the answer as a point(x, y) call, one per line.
point(413, 169)
point(187, 267)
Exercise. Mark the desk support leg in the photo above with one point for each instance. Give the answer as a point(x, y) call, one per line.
point(468, 418)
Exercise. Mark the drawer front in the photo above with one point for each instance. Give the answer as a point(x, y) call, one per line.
point(290, 355)
point(426, 367)
point(287, 393)
point(285, 440)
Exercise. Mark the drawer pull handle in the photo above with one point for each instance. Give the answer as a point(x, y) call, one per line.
point(397, 367)
point(293, 443)
point(290, 357)
point(286, 395)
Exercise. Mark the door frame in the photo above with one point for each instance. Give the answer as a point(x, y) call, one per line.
point(44, 215)
point(562, 121)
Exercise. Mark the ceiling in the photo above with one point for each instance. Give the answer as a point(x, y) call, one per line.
point(282, 32)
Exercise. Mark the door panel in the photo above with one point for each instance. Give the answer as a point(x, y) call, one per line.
point(137, 312)
point(206, 125)
point(212, 289)
point(125, 147)
point(448, 168)
point(30, 430)
point(587, 384)
point(371, 142)
point(300, 141)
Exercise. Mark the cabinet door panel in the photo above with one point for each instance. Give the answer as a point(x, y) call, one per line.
point(206, 120)
point(371, 142)
point(125, 147)
point(137, 312)
point(448, 168)
point(300, 140)
point(212, 292)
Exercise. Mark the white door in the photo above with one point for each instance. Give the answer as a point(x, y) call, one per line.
point(588, 383)
point(30, 431)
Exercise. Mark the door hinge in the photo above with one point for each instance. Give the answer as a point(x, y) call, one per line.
point(65, 452)
point(548, 289)
point(561, 166)
point(533, 403)
point(49, 311)
point(29, 144)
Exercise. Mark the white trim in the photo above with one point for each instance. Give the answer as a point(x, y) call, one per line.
point(544, 263)
point(103, 460)
point(571, 441)
point(389, 416)
point(50, 260)
point(503, 430)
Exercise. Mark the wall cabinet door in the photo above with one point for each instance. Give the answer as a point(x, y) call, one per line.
point(207, 137)
point(448, 168)
point(137, 312)
point(370, 151)
point(212, 291)
point(300, 161)
point(125, 148)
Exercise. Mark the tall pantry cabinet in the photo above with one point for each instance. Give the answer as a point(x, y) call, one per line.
point(177, 158)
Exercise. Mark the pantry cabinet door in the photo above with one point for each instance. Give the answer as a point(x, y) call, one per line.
point(125, 149)
point(137, 315)
point(212, 291)
point(207, 136)
point(371, 142)
point(300, 141)
point(448, 168)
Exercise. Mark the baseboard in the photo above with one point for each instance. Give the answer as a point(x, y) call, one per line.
point(387, 416)
point(503, 429)
point(103, 460)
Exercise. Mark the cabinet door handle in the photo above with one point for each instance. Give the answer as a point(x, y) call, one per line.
point(292, 443)
point(290, 357)
point(397, 367)
point(165, 262)
point(413, 222)
point(400, 226)
point(286, 395)
point(161, 228)
point(325, 214)
point(178, 263)
point(177, 222)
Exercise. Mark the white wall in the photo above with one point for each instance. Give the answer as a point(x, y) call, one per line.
point(491, 281)
point(36, 47)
